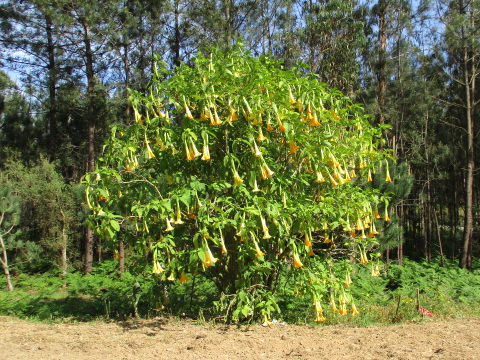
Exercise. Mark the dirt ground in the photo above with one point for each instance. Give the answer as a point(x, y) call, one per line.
point(184, 340)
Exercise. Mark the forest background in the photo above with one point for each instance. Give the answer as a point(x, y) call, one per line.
point(67, 67)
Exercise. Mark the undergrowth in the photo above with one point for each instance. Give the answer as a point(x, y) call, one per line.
point(447, 291)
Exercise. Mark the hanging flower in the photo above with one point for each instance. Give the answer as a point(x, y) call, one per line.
point(307, 239)
point(314, 121)
point(348, 280)
point(320, 178)
point(293, 147)
point(353, 310)
point(386, 217)
point(387, 177)
point(291, 99)
point(183, 278)
point(333, 305)
point(208, 258)
point(310, 251)
point(169, 225)
point(256, 150)
point(187, 110)
point(260, 137)
point(369, 177)
point(266, 172)
point(178, 215)
point(257, 249)
point(150, 153)
point(157, 268)
point(296, 261)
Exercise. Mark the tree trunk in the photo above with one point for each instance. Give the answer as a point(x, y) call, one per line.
point(469, 72)
point(381, 66)
point(121, 257)
point(52, 100)
point(176, 40)
point(91, 136)
point(4, 262)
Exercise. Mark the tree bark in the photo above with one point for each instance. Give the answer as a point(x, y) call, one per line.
point(381, 66)
point(91, 135)
point(469, 73)
point(52, 100)
point(4, 262)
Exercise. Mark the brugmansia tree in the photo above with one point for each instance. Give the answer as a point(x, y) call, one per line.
point(242, 171)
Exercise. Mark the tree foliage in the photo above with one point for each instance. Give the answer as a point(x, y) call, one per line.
point(282, 180)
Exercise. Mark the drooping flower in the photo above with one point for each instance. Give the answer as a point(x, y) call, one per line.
point(296, 261)
point(314, 121)
point(307, 239)
point(387, 177)
point(183, 278)
point(348, 280)
point(187, 111)
point(386, 217)
point(293, 147)
point(291, 99)
point(150, 153)
point(320, 178)
point(266, 172)
point(157, 268)
point(256, 150)
point(255, 186)
point(260, 137)
point(310, 251)
point(178, 215)
point(206, 153)
point(169, 225)
point(369, 177)
point(353, 310)
point(208, 258)
point(333, 305)
point(257, 249)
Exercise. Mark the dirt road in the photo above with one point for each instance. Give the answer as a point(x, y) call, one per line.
point(184, 340)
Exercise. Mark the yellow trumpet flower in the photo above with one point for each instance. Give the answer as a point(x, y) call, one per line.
point(293, 147)
point(348, 280)
point(310, 252)
point(255, 186)
point(206, 153)
point(217, 120)
point(291, 99)
point(187, 112)
point(296, 261)
point(183, 278)
point(369, 177)
point(208, 258)
point(256, 150)
point(307, 240)
point(333, 305)
point(320, 178)
point(169, 225)
point(386, 217)
point(178, 215)
point(266, 172)
point(257, 249)
point(314, 121)
point(157, 268)
point(260, 137)
point(354, 310)
point(319, 317)
point(387, 177)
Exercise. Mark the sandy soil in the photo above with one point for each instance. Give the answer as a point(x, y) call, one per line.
point(173, 339)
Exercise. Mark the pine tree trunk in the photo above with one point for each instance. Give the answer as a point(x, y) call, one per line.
point(52, 100)
point(4, 262)
point(91, 136)
point(469, 72)
point(381, 66)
